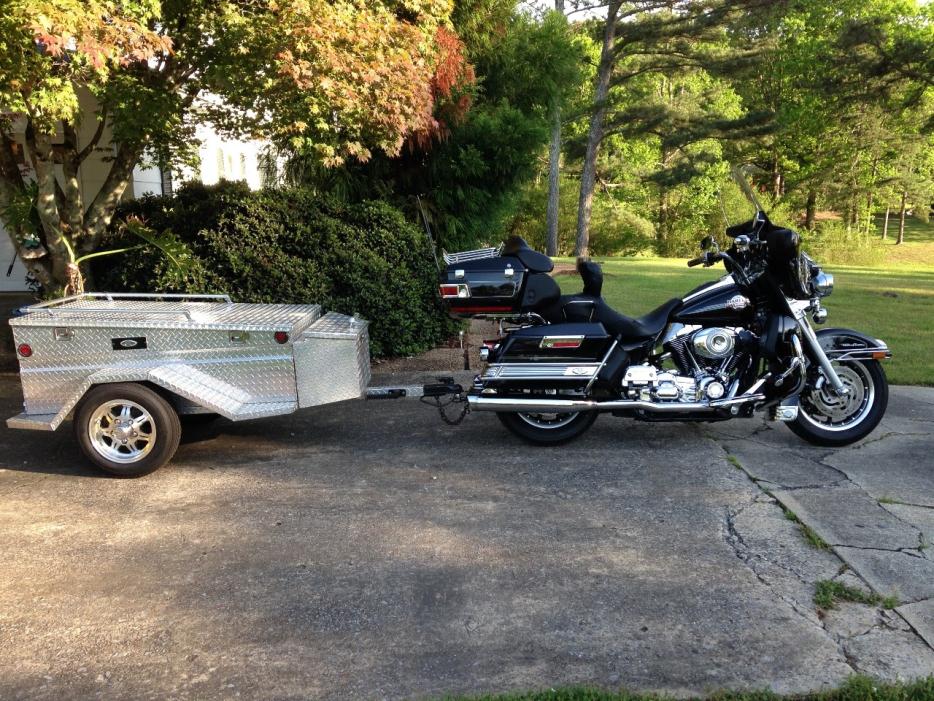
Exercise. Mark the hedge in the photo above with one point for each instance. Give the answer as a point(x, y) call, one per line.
point(287, 245)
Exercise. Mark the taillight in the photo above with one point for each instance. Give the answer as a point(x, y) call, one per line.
point(281, 337)
point(24, 349)
point(454, 291)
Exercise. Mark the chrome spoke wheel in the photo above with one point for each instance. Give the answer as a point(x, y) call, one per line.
point(122, 431)
point(548, 421)
point(824, 408)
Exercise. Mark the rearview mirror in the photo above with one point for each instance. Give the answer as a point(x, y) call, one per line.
point(706, 242)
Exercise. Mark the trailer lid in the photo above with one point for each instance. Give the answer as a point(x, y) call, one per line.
point(109, 309)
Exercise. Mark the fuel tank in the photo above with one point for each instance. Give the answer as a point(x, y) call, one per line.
point(722, 303)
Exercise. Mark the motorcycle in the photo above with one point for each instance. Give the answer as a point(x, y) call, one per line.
point(728, 349)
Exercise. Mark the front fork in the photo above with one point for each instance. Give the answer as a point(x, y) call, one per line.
point(816, 352)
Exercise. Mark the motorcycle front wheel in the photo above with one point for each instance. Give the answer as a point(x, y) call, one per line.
point(547, 429)
point(826, 419)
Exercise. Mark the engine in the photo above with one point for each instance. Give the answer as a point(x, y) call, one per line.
point(705, 361)
point(648, 383)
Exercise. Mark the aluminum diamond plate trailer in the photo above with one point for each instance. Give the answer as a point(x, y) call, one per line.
point(125, 366)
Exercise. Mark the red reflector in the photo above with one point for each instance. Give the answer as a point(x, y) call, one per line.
point(24, 350)
point(448, 290)
point(566, 344)
point(480, 310)
point(281, 337)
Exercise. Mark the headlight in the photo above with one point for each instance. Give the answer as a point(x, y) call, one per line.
point(823, 283)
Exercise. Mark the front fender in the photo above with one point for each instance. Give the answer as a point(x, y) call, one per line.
point(847, 344)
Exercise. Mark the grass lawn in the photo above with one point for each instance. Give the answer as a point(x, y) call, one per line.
point(895, 303)
point(918, 248)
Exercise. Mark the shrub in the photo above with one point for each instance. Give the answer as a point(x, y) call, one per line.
point(292, 247)
point(830, 242)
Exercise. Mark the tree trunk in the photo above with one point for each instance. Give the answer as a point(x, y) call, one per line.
point(885, 223)
point(776, 178)
point(661, 235)
point(595, 134)
point(12, 187)
point(554, 171)
point(901, 219)
point(810, 210)
point(102, 208)
point(554, 175)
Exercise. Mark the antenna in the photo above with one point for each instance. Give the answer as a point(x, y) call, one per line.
point(431, 239)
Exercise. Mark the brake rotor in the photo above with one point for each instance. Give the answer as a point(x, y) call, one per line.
point(835, 407)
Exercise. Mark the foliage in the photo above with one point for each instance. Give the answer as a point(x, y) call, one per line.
point(336, 79)
point(617, 229)
point(828, 592)
point(293, 247)
point(468, 181)
point(830, 241)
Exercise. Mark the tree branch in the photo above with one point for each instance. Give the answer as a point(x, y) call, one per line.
point(101, 210)
point(95, 139)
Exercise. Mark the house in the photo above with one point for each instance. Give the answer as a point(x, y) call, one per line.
point(220, 159)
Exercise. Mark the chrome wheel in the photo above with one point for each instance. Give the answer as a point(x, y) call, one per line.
point(823, 408)
point(122, 431)
point(548, 421)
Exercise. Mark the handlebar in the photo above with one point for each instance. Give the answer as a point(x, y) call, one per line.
point(711, 257)
point(708, 259)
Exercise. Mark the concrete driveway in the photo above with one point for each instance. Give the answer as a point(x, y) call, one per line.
point(369, 551)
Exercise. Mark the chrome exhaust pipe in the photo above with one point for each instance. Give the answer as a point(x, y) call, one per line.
point(567, 406)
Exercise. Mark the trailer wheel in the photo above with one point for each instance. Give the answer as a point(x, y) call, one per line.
point(126, 429)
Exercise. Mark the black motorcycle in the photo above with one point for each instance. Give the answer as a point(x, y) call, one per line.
point(727, 349)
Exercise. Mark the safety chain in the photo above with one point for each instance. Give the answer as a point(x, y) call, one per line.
point(442, 406)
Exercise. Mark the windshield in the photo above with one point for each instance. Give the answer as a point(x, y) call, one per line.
point(738, 197)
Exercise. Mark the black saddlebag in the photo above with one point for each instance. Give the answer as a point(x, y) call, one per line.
point(555, 343)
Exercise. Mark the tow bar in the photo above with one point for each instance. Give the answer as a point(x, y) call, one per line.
point(441, 395)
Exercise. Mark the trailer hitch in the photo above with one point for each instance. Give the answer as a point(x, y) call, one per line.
point(442, 395)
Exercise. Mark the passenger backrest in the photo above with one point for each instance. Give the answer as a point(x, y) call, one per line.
point(592, 276)
point(541, 290)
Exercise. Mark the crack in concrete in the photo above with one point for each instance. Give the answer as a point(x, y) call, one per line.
point(905, 551)
point(741, 550)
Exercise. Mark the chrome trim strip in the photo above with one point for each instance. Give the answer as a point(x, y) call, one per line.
point(859, 353)
point(541, 371)
point(562, 341)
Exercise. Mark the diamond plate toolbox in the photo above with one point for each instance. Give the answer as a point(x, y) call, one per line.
point(332, 360)
point(239, 360)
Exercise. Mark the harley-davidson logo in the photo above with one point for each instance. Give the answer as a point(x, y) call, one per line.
point(738, 302)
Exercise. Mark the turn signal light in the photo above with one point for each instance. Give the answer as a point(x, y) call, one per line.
point(281, 337)
point(24, 349)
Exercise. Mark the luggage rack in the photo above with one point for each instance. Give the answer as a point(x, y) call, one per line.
point(478, 254)
point(69, 305)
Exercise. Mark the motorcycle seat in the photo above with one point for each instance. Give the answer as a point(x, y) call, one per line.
point(534, 261)
point(585, 307)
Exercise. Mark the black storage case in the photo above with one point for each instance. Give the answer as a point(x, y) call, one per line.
point(495, 285)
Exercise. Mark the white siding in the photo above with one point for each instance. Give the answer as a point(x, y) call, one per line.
point(16, 280)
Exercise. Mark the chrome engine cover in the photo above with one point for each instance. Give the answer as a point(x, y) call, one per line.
point(647, 383)
point(714, 343)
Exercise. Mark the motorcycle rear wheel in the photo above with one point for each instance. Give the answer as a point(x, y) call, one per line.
point(547, 429)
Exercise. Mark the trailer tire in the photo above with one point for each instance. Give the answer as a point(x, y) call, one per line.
point(126, 429)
